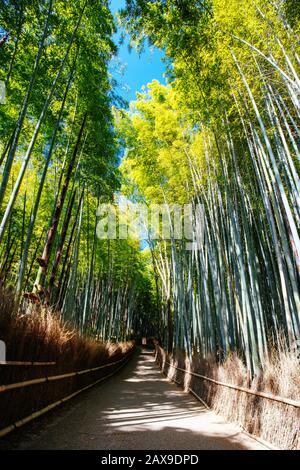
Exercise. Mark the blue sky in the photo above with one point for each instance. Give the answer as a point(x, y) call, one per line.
point(139, 70)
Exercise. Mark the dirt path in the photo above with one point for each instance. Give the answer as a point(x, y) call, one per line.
point(136, 409)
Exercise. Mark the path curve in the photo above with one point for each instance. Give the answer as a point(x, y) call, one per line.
point(136, 409)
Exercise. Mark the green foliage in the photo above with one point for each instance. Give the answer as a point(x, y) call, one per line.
point(292, 11)
point(157, 134)
point(73, 70)
point(225, 134)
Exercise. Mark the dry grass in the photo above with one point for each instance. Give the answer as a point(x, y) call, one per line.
point(275, 422)
point(40, 336)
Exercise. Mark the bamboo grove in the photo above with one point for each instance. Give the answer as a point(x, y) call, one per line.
point(59, 159)
point(225, 134)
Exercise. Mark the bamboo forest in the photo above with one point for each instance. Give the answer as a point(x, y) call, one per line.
point(220, 131)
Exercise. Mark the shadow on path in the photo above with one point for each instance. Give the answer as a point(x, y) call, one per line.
point(136, 409)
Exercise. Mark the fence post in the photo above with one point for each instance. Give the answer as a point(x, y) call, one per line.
point(2, 351)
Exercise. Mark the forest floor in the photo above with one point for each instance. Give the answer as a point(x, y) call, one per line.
point(137, 409)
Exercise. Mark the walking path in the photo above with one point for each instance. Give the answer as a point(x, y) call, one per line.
point(136, 409)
